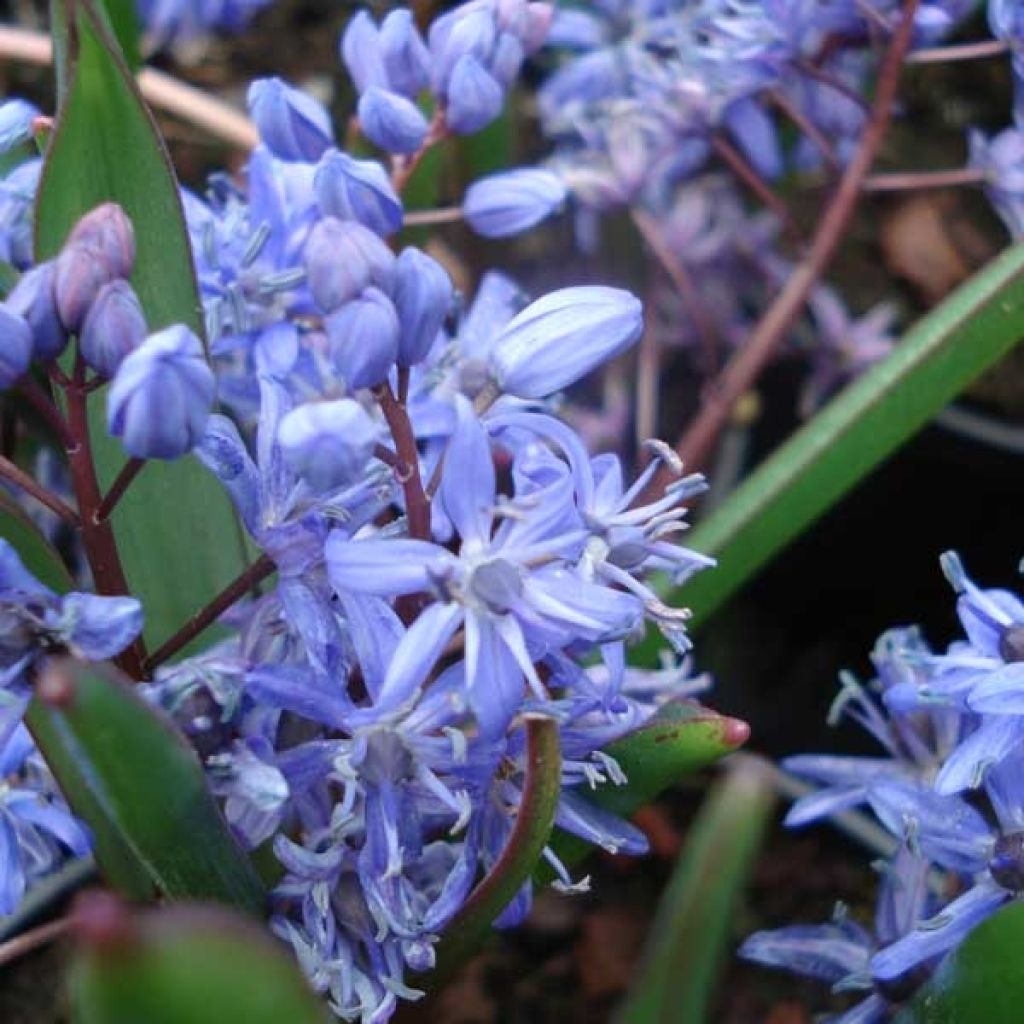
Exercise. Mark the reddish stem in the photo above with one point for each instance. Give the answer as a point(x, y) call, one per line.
point(206, 616)
point(97, 535)
point(43, 405)
point(417, 504)
point(807, 127)
point(915, 181)
point(44, 496)
point(129, 471)
point(404, 168)
point(739, 165)
point(739, 374)
point(963, 51)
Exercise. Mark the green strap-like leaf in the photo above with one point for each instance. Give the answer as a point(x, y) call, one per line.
point(971, 329)
point(981, 982)
point(38, 554)
point(689, 939)
point(680, 740)
point(136, 782)
point(176, 531)
point(191, 965)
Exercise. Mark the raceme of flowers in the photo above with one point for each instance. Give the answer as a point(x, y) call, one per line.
point(451, 562)
point(947, 785)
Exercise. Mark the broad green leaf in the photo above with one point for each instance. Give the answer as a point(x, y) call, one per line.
point(680, 740)
point(38, 554)
point(176, 531)
point(191, 965)
point(964, 335)
point(981, 981)
point(123, 18)
point(129, 774)
point(689, 939)
point(471, 926)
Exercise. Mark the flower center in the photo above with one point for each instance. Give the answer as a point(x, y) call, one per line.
point(497, 584)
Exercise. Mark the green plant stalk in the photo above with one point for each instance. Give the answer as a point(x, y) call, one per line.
point(952, 345)
point(689, 938)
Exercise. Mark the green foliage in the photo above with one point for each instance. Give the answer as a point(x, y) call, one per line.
point(690, 936)
point(176, 531)
point(136, 782)
point(981, 981)
point(191, 965)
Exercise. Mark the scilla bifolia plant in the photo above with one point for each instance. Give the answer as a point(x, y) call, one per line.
point(312, 605)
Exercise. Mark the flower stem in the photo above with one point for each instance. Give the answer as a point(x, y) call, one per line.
point(43, 405)
point(28, 941)
point(417, 504)
point(403, 168)
point(739, 165)
point(206, 616)
point(425, 218)
point(739, 374)
point(962, 51)
point(914, 181)
point(129, 472)
point(44, 496)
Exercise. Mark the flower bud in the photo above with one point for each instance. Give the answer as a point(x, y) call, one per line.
point(508, 203)
point(363, 339)
point(562, 337)
point(475, 98)
point(362, 53)
point(423, 296)
point(33, 298)
point(107, 230)
point(391, 121)
point(114, 327)
point(16, 117)
point(341, 259)
point(328, 443)
point(406, 58)
point(161, 397)
point(81, 271)
point(291, 124)
point(466, 31)
point(15, 347)
point(506, 61)
point(357, 190)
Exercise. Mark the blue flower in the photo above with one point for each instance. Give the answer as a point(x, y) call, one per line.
point(357, 190)
point(291, 123)
point(512, 202)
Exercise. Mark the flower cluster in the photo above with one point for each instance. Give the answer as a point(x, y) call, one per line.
point(173, 21)
point(948, 787)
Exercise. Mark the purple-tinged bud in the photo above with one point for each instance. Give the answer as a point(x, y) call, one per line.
point(81, 271)
point(507, 60)
point(161, 397)
point(33, 298)
point(562, 337)
point(357, 190)
point(755, 133)
point(423, 296)
point(114, 327)
point(328, 443)
point(534, 33)
point(406, 58)
point(474, 97)
point(363, 339)
point(291, 124)
point(390, 121)
point(107, 230)
point(15, 347)
point(362, 53)
point(463, 32)
point(341, 259)
point(511, 202)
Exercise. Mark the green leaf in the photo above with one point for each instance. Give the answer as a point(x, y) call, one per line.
point(176, 531)
point(40, 557)
point(981, 980)
point(130, 775)
point(191, 965)
point(471, 926)
point(969, 331)
point(680, 740)
point(689, 939)
point(8, 278)
point(124, 21)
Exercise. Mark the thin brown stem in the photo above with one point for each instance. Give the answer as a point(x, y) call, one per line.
point(43, 405)
point(129, 471)
point(982, 50)
point(807, 127)
point(98, 538)
point(33, 939)
point(387, 456)
point(417, 504)
point(738, 164)
point(426, 218)
point(679, 274)
point(403, 168)
point(208, 615)
point(742, 370)
point(30, 485)
point(835, 84)
point(916, 181)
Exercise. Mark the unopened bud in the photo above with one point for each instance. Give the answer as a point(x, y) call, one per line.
point(363, 337)
point(341, 259)
point(33, 298)
point(114, 326)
